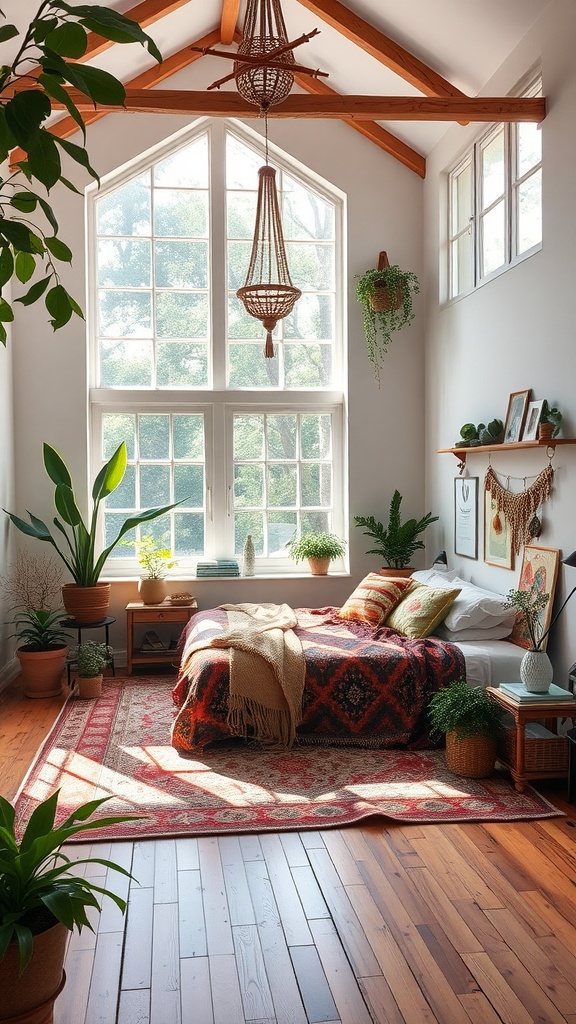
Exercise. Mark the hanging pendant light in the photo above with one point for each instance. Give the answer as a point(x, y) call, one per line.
point(265, 33)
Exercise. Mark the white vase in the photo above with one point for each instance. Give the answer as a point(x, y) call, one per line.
point(536, 671)
point(248, 556)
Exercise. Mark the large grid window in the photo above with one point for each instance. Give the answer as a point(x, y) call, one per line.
point(247, 444)
point(495, 203)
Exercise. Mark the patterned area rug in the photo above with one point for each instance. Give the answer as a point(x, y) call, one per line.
point(119, 746)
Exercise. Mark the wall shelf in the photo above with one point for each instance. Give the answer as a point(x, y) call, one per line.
point(462, 453)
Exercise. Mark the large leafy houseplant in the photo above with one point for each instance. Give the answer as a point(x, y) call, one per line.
point(385, 295)
point(398, 541)
point(32, 84)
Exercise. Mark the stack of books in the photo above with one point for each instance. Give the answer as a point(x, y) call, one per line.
point(519, 693)
point(219, 567)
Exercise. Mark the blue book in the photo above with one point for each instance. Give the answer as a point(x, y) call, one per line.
point(518, 692)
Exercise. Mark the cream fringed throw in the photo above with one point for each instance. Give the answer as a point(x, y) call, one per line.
point(520, 508)
point(266, 671)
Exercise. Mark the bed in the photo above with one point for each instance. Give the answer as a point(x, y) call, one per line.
point(366, 683)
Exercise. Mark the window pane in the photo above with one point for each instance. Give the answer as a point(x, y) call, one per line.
point(308, 366)
point(249, 523)
point(311, 266)
point(238, 263)
point(188, 437)
point(177, 212)
point(282, 486)
point(154, 437)
point(126, 364)
point(123, 263)
point(317, 484)
point(248, 486)
point(182, 364)
point(281, 528)
point(462, 264)
point(127, 210)
point(493, 236)
point(248, 437)
point(304, 213)
point(113, 523)
point(493, 175)
point(125, 494)
point(242, 165)
point(461, 199)
point(181, 264)
point(181, 315)
point(188, 168)
point(154, 486)
point(118, 427)
point(240, 324)
point(249, 369)
point(189, 485)
point(188, 534)
point(241, 210)
point(125, 314)
point(530, 212)
point(312, 319)
point(281, 437)
point(529, 147)
point(316, 522)
point(316, 437)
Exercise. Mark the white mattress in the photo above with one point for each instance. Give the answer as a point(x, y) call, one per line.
point(491, 662)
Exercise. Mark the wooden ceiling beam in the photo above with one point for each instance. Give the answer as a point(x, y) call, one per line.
point(361, 108)
point(382, 48)
point(229, 21)
point(370, 130)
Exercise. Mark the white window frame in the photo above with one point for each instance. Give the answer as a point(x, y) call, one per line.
point(216, 402)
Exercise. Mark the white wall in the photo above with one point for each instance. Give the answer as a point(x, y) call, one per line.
point(385, 426)
point(516, 332)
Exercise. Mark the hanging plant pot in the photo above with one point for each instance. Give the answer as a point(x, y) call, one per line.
point(385, 298)
point(385, 295)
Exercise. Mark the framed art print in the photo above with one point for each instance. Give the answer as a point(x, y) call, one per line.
point(530, 431)
point(517, 405)
point(540, 567)
point(497, 535)
point(466, 516)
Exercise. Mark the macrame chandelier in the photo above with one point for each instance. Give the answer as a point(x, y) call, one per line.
point(264, 34)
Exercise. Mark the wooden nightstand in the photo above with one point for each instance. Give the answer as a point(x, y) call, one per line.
point(150, 615)
point(539, 757)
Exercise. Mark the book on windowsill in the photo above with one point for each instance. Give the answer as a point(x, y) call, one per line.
point(519, 693)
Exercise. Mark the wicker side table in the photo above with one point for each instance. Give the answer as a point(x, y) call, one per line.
point(542, 756)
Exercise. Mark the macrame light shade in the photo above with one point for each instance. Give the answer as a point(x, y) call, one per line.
point(264, 31)
point(268, 293)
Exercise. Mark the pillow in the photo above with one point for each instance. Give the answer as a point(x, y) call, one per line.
point(435, 578)
point(474, 633)
point(374, 598)
point(421, 609)
point(478, 608)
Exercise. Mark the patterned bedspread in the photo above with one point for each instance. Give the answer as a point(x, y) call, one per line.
point(364, 685)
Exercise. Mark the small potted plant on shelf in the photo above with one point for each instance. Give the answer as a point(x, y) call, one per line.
point(385, 295)
point(398, 541)
point(155, 562)
point(42, 900)
point(319, 548)
point(550, 422)
point(470, 720)
point(91, 657)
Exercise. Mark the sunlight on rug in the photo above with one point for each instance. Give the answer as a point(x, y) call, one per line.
point(119, 746)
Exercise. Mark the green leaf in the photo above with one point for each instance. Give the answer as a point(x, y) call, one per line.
point(25, 266)
point(34, 293)
point(114, 26)
point(25, 112)
point(6, 265)
point(111, 475)
point(79, 155)
point(55, 90)
point(75, 307)
point(99, 85)
point(3, 335)
point(40, 822)
point(48, 213)
point(58, 249)
point(44, 159)
point(43, 27)
point(25, 202)
point(7, 140)
point(58, 305)
point(57, 470)
point(19, 235)
point(8, 32)
point(69, 40)
point(66, 505)
point(71, 186)
point(6, 312)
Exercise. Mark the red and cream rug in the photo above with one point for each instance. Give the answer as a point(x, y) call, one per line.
point(119, 746)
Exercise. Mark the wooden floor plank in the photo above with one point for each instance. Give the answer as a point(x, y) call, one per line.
point(165, 872)
point(490, 980)
point(313, 985)
point(70, 1007)
point(137, 964)
point(226, 998)
point(379, 999)
point(196, 992)
point(216, 911)
point(105, 980)
point(254, 987)
point(191, 920)
point(165, 989)
point(311, 898)
point(235, 881)
point(285, 893)
point(344, 987)
point(293, 849)
point(134, 1007)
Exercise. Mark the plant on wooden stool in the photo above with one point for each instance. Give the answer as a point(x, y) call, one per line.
point(471, 722)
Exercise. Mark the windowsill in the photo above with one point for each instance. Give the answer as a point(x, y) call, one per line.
point(232, 579)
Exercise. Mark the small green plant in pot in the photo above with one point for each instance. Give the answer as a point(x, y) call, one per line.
point(397, 542)
point(319, 548)
point(550, 420)
point(470, 720)
point(42, 899)
point(385, 295)
point(155, 562)
point(91, 657)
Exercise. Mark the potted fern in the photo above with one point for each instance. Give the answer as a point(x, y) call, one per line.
point(471, 722)
point(385, 295)
point(318, 548)
point(398, 541)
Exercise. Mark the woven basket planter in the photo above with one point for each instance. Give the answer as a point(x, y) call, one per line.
point(473, 757)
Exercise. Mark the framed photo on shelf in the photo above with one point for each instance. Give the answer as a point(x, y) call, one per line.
point(517, 406)
point(540, 566)
point(530, 431)
point(497, 535)
point(466, 516)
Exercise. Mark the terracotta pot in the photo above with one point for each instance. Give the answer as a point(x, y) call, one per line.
point(152, 591)
point(86, 604)
point(403, 574)
point(89, 687)
point(29, 998)
point(473, 757)
point(42, 671)
point(319, 566)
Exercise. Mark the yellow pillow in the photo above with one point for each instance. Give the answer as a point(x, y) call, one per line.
point(374, 599)
point(420, 610)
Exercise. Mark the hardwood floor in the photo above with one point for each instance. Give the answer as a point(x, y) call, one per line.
point(375, 923)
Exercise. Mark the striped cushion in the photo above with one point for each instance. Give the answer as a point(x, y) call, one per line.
point(374, 598)
point(421, 609)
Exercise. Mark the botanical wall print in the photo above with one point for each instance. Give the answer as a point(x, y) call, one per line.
point(530, 431)
point(497, 535)
point(466, 516)
point(540, 566)
point(517, 405)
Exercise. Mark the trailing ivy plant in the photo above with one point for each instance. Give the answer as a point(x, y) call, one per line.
point(379, 324)
point(31, 86)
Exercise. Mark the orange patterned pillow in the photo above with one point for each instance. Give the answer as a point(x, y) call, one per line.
point(421, 609)
point(374, 599)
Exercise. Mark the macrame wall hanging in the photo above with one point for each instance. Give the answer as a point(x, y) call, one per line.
point(520, 509)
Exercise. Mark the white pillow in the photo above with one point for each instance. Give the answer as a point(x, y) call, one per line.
point(481, 609)
point(434, 578)
point(474, 633)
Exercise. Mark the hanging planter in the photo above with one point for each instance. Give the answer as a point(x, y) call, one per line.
point(385, 295)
